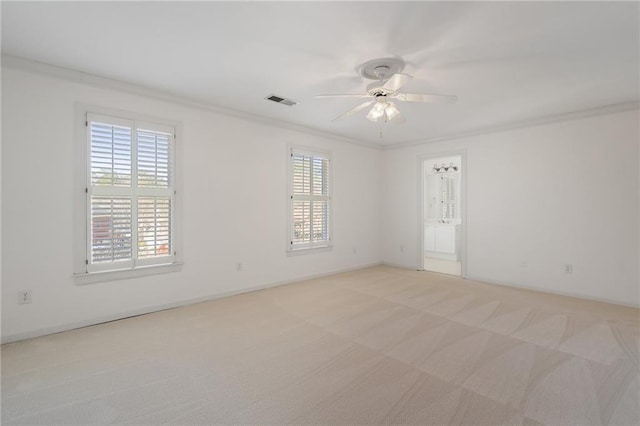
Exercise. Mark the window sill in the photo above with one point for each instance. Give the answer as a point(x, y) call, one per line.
point(303, 251)
point(123, 274)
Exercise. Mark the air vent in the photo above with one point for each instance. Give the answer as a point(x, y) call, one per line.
point(281, 100)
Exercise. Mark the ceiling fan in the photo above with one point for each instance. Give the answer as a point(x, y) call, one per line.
point(389, 80)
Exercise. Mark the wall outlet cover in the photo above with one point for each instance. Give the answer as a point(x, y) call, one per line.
point(24, 297)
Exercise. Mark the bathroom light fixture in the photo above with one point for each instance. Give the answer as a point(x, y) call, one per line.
point(443, 168)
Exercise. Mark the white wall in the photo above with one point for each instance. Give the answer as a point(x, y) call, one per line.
point(563, 193)
point(235, 201)
point(585, 170)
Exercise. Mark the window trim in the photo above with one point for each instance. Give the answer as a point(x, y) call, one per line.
point(81, 273)
point(328, 246)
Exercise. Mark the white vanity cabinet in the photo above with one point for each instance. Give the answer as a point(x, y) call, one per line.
point(446, 239)
point(440, 239)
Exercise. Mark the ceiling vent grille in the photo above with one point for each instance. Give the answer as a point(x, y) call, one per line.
point(281, 100)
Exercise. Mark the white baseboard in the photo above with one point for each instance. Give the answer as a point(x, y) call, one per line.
point(398, 265)
point(149, 309)
point(546, 290)
point(532, 288)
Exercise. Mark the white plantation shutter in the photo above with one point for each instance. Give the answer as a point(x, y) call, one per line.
point(301, 222)
point(320, 220)
point(130, 194)
point(301, 174)
point(320, 176)
point(110, 154)
point(110, 229)
point(153, 159)
point(447, 198)
point(154, 226)
point(310, 200)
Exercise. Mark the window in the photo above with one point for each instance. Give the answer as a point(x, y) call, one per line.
point(130, 194)
point(310, 197)
point(448, 202)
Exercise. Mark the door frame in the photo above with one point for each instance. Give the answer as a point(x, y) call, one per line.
point(422, 159)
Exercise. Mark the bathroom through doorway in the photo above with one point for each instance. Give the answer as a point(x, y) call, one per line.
point(442, 224)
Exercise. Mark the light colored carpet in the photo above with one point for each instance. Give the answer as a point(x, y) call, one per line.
point(375, 346)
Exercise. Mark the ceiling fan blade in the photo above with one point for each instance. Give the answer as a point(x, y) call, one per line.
point(354, 110)
point(419, 97)
point(396, 82)
point(347, 95)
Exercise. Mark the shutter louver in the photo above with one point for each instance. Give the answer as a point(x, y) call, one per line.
point(301, 221)
point(110, 155)
point(153, 159)
point(447, 198)
point(320, 176)
point(320, 221)
point(110, 229)
point(301, 174)
point(154, 227)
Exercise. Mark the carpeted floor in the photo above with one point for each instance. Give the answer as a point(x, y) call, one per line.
point(375, 346)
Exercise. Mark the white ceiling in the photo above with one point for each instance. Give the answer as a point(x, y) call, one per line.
point(507, 62)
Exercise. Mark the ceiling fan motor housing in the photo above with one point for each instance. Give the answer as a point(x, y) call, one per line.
point(375, 89)
point(381, 69)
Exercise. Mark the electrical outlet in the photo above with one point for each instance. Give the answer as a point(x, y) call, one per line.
point(568, 268)
point(239, 266)
point(24, 297)
point(401, 249)
point(354, 250)
point(524, 264)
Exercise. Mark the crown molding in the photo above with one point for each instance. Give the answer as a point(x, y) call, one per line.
point(68, 74)
point(75, 76)
point(531, 122)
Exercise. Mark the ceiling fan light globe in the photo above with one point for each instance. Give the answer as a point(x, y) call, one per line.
point(376, 112)
point(379, 108)
point(391, 111)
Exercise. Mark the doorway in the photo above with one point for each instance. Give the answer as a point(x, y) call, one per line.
point(442, 223)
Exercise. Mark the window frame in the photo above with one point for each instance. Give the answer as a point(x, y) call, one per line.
point(84, 272)
point(325, 245)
